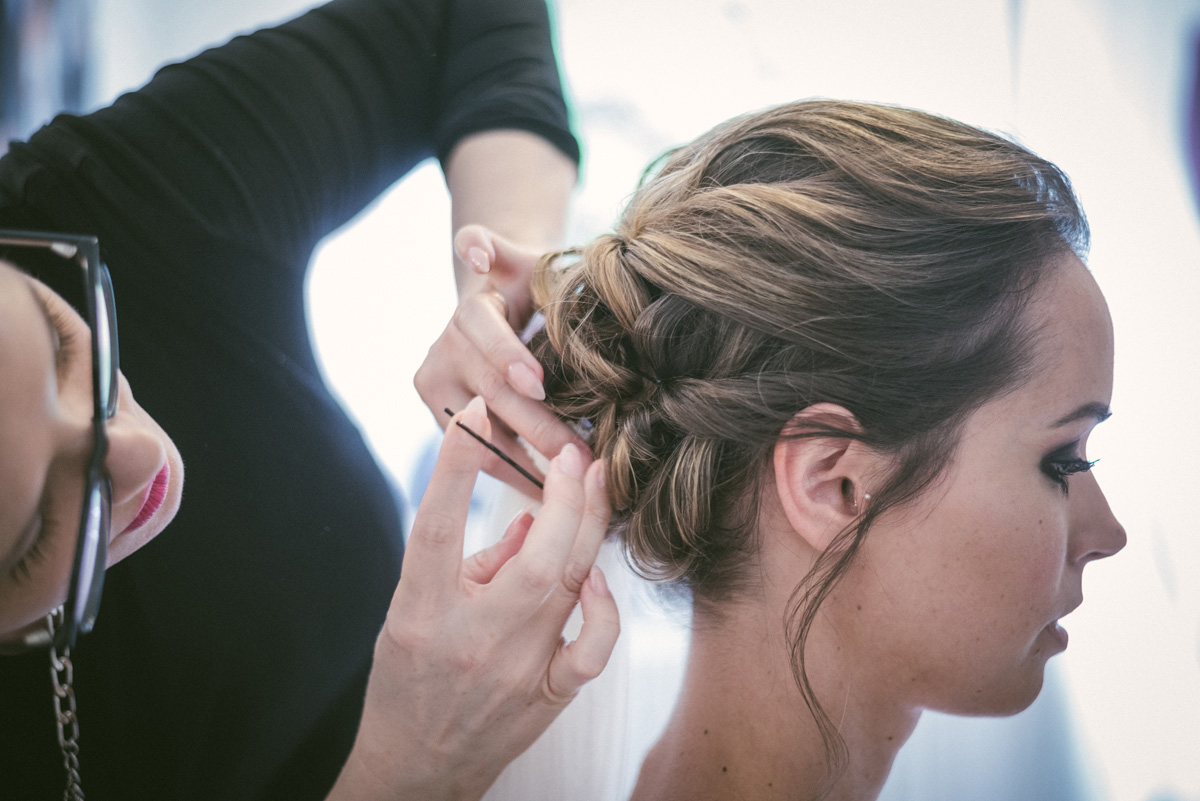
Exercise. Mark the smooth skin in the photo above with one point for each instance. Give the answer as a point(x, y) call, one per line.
point(951, 604)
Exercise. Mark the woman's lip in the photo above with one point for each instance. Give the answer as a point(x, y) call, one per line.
point(154, 499)
point(1058, 634)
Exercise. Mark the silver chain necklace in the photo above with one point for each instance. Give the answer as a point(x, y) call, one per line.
point(62, 674)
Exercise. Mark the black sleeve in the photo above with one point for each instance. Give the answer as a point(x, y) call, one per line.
point(277, 138)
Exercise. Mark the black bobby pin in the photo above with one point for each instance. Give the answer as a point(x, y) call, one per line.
point(497, 451)
point(645, 376)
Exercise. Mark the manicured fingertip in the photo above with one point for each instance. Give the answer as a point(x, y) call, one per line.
point(570, 462)
point(526, 381)
point(598, 473)
point(597, 581)
point(475, 410)
point(478, 258)
point(521, 522)
point(473, 422)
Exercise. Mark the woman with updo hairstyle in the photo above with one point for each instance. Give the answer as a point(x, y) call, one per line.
point(841, 361)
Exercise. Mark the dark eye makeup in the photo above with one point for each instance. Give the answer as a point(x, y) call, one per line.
point(1064, 462)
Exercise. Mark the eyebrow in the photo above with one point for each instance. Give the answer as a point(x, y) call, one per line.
point(1099, 411)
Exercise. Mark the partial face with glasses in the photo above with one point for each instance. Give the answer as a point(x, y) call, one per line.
point(86, 476)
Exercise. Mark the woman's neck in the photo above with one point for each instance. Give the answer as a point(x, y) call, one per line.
point(741, 728)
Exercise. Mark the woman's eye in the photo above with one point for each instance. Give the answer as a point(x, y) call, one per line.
point(22, 570)
point(68, 337)
point(65, 330)
point(1059, 469)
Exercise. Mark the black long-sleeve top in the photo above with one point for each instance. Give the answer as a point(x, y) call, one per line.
point(230, 656)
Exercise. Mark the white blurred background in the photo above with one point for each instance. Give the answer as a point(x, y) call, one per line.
point(1097, 86)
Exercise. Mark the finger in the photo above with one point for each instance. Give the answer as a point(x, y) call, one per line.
point(441, 380)
point(592, 528)
point(537, 569)
point(433, 554)
point(510, 378)
point(473, 244)
point(513, 258)
point(481, 567)
point(529, 480)
point(483, 321)
point(535, 424)
point(499, 252)
point(578, 662)
point(508, 461)
point(454, 371)
point(509, 267)
point(460, 364)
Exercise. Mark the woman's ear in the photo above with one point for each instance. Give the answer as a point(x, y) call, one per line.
point(820, 479)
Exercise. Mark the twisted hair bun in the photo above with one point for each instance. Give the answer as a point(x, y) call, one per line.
point(873, 257)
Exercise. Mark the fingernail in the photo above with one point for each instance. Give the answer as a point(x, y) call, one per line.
point(598, 582)
point(569, 462)
point(479, 259)
point(525, 381)
point(513, 526)
point(476, 404)
point(601, 474)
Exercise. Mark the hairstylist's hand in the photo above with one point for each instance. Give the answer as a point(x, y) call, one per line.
point(471, 666)
point(480, 354)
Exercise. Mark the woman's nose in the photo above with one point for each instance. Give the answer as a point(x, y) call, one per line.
point(1096, 531)
point(135, 455)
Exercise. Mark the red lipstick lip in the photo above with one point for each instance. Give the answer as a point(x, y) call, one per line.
point(154, 499)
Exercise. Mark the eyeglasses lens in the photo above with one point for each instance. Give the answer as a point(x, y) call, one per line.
point(106, 336)
point(93, 554)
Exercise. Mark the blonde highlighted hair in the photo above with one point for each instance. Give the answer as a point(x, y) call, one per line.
point(869, 256)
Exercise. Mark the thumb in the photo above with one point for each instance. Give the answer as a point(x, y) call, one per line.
point(474, 245)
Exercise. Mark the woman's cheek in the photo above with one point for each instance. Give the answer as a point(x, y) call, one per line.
point(27, 600)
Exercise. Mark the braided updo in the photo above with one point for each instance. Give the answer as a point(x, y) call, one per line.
point(873, 257)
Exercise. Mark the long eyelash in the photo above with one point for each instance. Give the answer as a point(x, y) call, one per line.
point(36, 554)
point(66, 333)
point(1059, 469)
point(67, 337)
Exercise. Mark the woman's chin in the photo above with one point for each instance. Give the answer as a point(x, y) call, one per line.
point(1001, 698)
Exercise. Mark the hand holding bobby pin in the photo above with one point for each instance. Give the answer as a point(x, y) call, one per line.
point(471, 666)
point(480, 353)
